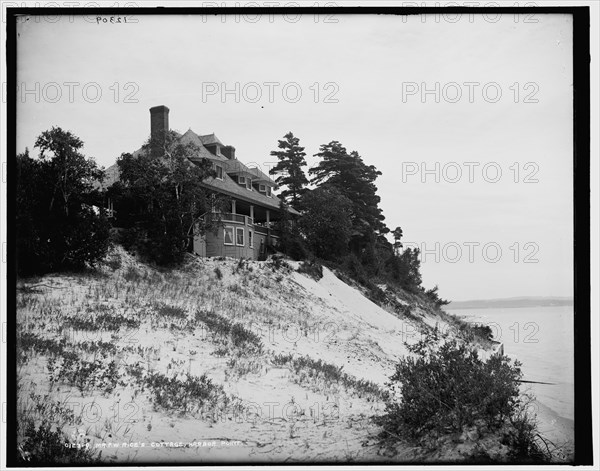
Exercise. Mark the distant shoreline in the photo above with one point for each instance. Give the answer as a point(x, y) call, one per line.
point(511, 303)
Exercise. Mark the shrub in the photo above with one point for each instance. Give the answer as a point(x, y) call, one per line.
point(236, 334)
point(132, 275)
point(483, 331)
point(174, 394)
point(446, 387)
point(315, 370)
point(312, 269)
point(113, 262)
point(433, 296)
point(165, 310)
point(296, 249)
point(218, 273)
point(276, 263)
point(43, 446)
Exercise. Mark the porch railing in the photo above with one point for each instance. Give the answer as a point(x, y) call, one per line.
point(230, 217)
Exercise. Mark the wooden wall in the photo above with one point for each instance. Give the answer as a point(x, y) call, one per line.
point(214, 245)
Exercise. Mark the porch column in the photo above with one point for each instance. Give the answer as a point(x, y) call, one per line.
point(252, 213)
point(233, 207)
point(268, 227)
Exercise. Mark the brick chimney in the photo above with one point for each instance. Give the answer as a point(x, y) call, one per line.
point(228, 151)
point(159, 122)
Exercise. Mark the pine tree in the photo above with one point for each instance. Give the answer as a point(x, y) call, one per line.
point(347, 173)
point(291, 160)
point(397, 237)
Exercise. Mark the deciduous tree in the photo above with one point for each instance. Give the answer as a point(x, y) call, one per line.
point(60, 220)
point(163, 193)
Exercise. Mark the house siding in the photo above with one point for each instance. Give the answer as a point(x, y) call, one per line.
point(200, 245)
point(213, 244)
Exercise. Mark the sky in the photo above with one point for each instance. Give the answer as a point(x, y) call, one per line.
point(468, 118)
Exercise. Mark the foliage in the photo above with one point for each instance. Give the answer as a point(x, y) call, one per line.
point(315, 370)
point(98, 374)
point(482, 331)
point(161, 197)
point(60, 222)
point(445, 386)
point(347, 173)
point(43, 446)
point(312, 269)
point(229, 333)
point(405, 269)
point(277, 263)
point(433, 296)
point(289, 168)
point(397, 233)
point(168, 311)
point(524, 441)
point(326, 222)
point(102, 317)
point(171, 393)
point(290, 242)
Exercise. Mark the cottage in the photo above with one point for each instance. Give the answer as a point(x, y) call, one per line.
point(247, 228)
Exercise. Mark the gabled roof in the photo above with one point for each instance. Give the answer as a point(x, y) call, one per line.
point(236, 167)
point(227, 185)
point(190, 137)
point(210, 139)
point(261, 177)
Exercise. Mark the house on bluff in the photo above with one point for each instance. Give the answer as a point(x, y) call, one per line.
point(247, 227)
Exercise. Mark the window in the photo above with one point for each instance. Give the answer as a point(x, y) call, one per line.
point(219, 171)
point(250, 241)
point(241, 180)
point(239, 236)
point(262, 188)
point(269, 191)
point(249, 183)
point(228, 236)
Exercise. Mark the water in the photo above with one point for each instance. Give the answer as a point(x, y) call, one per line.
point(541, 338)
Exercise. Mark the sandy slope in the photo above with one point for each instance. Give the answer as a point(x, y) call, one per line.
point(284, 416)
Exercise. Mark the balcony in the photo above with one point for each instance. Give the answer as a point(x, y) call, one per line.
point(259, 228)
point(264, 230)
point(235, 218)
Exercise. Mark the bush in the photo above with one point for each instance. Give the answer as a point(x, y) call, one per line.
point(296, 249)
point(227, 332)
point(446, 387)
point(482, 331)
point(43, 446)
point(276, 263)
point(312, 269)
point(352, 266)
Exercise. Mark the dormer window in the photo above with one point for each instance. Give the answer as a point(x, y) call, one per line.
point(219, 171)
point(249, 183)
point(268, 191)
point(241, 180)
point(262, 188)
